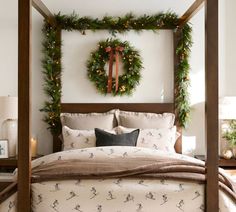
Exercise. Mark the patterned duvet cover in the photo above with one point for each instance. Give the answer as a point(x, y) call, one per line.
point(117, 194)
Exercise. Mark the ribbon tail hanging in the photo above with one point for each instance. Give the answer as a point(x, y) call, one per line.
point(117, 70)
point(109, 83)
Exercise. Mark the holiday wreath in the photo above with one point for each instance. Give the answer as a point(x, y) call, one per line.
point(110, 50)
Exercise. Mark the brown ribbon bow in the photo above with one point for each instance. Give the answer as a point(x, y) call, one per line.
point(111, 51)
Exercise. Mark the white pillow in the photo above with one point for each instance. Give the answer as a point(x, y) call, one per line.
point(161, 139)
point(89, 121)
point(79, 139)
point(144, 120)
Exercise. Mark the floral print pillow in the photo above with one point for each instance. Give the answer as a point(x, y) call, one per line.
point(160, 139)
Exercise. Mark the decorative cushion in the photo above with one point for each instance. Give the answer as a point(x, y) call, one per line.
point(104, 138)
point(145, 120)
point(89, 121)
point(160, 139)
point(79, 139)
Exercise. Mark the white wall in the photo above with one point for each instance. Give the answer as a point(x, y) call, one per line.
point(8, 50)
point(156, 50)
point(230, 46)
point(196, 126)
point(9, 67)
point(8, 57)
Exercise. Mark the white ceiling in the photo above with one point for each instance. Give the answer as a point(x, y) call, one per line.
point(98, 7)
point(117, 7)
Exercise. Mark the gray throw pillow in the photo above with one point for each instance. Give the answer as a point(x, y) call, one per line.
point(104, 138)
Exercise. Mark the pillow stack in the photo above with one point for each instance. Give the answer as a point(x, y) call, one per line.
point(157, 131)
point(150, 130)
point(78, 128)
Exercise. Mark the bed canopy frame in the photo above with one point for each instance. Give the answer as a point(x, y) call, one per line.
point(24, 94)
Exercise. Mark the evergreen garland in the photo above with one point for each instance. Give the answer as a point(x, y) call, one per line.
point(52, 77)
point(132, 66)
point(182, 104)
point(118, 24)
point(52, 55)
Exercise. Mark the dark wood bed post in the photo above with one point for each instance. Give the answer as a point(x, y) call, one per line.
point(24, 97)
point(24, 106)
point(193, 9)
point(44, 11)
point(211, 87)
point(211, 69)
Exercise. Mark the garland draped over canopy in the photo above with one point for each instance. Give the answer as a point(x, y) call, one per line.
point(52, 55)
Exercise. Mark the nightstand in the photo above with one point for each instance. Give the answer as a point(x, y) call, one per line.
point(11, 163)
point(229, 165)
point(7, 166)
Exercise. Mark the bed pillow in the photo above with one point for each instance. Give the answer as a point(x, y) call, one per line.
point(161, 139)
point(89, 121)
point(104, 138)
point(145, 120)
point(79, 139)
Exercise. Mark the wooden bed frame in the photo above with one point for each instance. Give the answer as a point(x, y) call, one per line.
point(24, 72)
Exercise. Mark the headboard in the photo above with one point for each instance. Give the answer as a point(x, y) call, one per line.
point(104, 107)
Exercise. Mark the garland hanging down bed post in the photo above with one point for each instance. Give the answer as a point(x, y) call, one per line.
point(52, 76)
point(52, 56)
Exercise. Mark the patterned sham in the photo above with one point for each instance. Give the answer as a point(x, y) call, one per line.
point(159, 139)
point(79, 139)
point(144, 120)
point(89, 121)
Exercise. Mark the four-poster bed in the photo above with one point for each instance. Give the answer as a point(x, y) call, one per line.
point(24, 165)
